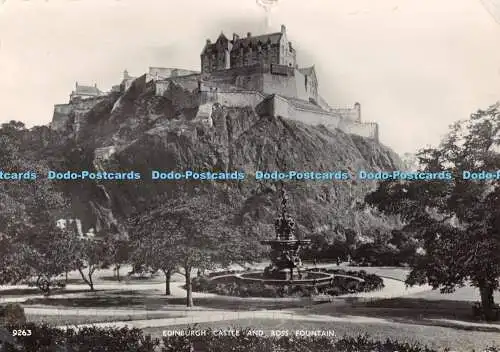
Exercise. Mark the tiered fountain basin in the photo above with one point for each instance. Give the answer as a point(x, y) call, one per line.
point(311, 283)
point(311, 279)
point(314, 278)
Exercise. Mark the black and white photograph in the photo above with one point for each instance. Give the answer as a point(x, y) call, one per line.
point(250, 176)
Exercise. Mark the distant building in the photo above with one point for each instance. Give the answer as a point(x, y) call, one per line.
point(264, 49)
point(258, 71)
point(85, 92)
point(64, 223)
point(127, 80)
point(159, 73)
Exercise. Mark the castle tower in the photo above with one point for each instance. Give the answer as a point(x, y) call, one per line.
point(357, 109)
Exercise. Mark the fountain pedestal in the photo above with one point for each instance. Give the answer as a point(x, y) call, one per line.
point(285, 248)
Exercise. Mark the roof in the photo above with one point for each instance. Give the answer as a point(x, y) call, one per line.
point(87, 90)
point(303, 104)
point(307, 71)
point(245, 42)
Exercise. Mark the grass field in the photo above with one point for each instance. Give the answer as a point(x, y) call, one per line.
point(429, 317)
point(58, 320)
point(403, 309)
point(117, 299)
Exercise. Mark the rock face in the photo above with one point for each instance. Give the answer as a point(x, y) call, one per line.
point(140, 131)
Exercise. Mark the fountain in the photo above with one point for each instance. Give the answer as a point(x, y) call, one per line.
point(286, 266)
point(285, 247)
point(285, 276)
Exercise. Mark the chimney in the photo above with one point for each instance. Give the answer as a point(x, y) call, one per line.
point(249, 34)
point(209, 42)
point(95, 85)
point(235, 37)
point(283, 29)
point(76, 84)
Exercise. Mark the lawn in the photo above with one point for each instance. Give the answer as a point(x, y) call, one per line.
point(120, 299)
point(58, 320)
point(406, 310)
point(467, 293)
point(435, 337)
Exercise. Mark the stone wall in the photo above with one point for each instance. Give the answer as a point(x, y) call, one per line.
point(80, 111)
point(190, 83)
point(280, 106)
point(323, 103)
point(72, 115)
point(350, 113)
point(363, 129)
point(262, 80)
point(159, 73)
point(283, 92)
point(238, 71)
point(204, 114)
point(250, 81)
point(161, 87)
point(282, 85)
point(232, 99)
point(127, 83)
point(61, 117)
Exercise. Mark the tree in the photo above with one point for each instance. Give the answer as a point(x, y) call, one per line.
point(52, 254)
point(190, 232)
point(118, 248)
point(457, 221)
point(28, 211)
point(91, 255)
point(154, 251)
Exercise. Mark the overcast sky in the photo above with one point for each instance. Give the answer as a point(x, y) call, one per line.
point(415, 66)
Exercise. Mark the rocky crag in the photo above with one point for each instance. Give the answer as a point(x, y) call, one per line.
point(138, 130)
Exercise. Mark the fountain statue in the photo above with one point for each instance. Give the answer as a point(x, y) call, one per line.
point(285, 248)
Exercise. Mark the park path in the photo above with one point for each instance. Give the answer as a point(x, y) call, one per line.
point(193, 317)
point(223, 315)
point(182, 315)
point(392, 288)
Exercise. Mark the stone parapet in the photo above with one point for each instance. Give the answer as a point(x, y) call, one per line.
point(276, 105)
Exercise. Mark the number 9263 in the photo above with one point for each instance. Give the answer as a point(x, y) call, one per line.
point(21, 332)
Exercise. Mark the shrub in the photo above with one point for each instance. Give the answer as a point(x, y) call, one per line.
point(44, 338)
point(231, 286)
point(49, 339)
point(12, 314)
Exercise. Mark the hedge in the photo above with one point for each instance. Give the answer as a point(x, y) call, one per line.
point(230, 286)
point(48, 339)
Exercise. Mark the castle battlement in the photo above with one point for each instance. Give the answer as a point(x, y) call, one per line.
point(161, 73)
point(260, 72)
point(82, 92)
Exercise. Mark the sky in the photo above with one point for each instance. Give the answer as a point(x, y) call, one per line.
point(416, 66)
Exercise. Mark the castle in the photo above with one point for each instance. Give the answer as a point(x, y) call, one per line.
point(85, 92)
point(257, 71)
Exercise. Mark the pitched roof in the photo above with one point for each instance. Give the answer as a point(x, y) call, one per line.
point(307, 71)
point(245, 42)
point(87, 90)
